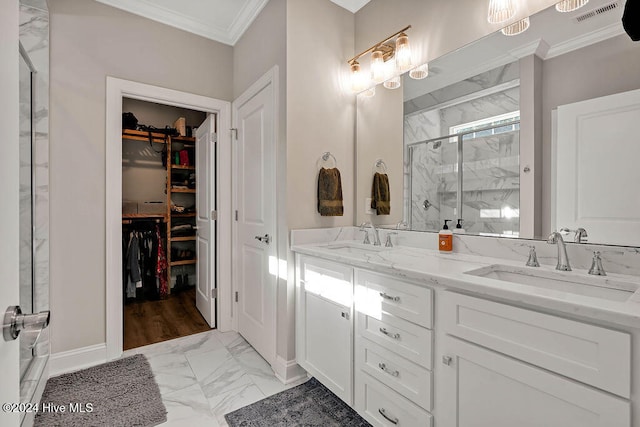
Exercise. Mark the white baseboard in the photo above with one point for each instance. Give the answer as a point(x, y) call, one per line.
point(288, 371)
point(80, 358)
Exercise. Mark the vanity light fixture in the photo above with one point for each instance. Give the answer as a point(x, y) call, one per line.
point(420, 72)
point(392, 83)
point(357, 78)
point(570, 5)
point(517, 27)
point(382, 70)
point(501, 11)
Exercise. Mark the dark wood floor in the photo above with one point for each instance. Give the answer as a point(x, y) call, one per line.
point(148, 322)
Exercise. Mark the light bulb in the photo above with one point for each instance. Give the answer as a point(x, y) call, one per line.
point(516, 28)
point(357, 77)
point(403, 53)
point(392, 83)
point(420, 72)
point(570, 5)
point(501, 11)
point(377, 66)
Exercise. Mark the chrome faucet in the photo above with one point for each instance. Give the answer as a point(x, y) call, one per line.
point(376, 235)
point(580, 234)
point(555, 238)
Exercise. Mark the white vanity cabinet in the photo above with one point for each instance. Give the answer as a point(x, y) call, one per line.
point(393, 351)
point(505, 366)
point(324, 323)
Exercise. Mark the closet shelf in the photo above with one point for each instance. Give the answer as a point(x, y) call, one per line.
point(138, 135)
point(184, 262)
point(190, 168)
point(187, 139)
point(183, 239)
point(183, 215)
point(144, 216)
point(183, 190)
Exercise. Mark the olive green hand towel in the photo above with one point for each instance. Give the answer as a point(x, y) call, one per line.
point(330, 192)
point(380, 195)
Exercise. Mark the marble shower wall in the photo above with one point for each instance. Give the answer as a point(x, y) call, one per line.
point(34, 36)
point(490, 178)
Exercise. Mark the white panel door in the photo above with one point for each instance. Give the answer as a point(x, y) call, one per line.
point(9, 217)
point(205, 221)
point(484, 388)
point(597, 152)
point(256, 253)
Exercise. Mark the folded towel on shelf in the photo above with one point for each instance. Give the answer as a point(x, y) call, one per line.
point(330, 192)
point(380, 194)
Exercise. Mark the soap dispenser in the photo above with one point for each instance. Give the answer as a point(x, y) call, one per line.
point(445, 238)
point(459, 229)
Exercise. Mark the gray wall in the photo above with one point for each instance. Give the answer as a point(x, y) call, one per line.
point(605, 68)
point(90, 41)
point(260, 48)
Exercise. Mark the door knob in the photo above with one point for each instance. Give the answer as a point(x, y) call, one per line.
point(266, 238)
point(14, 322)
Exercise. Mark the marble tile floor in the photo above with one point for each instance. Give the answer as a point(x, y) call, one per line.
point(204, 376)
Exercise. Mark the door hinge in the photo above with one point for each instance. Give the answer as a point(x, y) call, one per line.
point(236, 215)
point(214, 215)
point(214, 293)
point(236, 296)
point(235, 133)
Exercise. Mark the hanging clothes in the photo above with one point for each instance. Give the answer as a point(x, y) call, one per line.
point(161, 267)
point(133, 264)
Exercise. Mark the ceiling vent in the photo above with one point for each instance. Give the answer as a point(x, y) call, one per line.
point(599, 11)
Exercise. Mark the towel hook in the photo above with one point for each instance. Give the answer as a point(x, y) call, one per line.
point(326, 156)
point(380, 164)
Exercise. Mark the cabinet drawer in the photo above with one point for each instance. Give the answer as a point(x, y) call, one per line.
point(377, 292)
point(410, 380)
point(407, 339)
point(327, 279)
point(587, 353)
point(382, 406)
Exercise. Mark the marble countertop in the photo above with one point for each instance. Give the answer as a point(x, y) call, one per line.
point(450, 270)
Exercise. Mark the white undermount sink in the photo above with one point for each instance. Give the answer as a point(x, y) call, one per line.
point(575, 283)
point(354, 248)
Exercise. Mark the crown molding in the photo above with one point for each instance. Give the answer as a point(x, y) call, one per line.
point(227, 35)
point(586, 39)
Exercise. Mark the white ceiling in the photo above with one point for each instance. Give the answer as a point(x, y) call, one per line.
point(221, 20)
point(351, 5)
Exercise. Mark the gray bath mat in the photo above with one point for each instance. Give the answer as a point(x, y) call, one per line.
point(118, 393)
point(309, 404)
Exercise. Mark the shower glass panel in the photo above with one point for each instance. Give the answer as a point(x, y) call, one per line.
point(433, 183)
point(491, 181)
point(26, 205)
point(473, 175)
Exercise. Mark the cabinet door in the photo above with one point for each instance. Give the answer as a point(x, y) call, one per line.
point(484, 388)
point(328, 344)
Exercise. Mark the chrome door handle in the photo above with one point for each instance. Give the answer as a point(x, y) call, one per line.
point(266, 238)
point(389, 297)
point(14, 322)
point(395, 336)
point(384, 414)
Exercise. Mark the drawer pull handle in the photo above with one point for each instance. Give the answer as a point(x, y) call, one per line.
point(384, 368)
point(395, 336)
point(389, 297)
point(447, 360)
point(346, 315)
point(384, 414)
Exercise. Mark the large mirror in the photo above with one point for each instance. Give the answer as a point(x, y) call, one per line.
point(516, 135)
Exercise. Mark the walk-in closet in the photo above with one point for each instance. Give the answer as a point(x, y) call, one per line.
point(159, 233)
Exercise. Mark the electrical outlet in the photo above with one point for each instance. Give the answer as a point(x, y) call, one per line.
point(367, 207)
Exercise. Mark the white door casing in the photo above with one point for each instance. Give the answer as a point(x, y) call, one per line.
point(116, 90)
point(596, 158)
point(255, 246)
point(9, 218)
point(206, 223)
